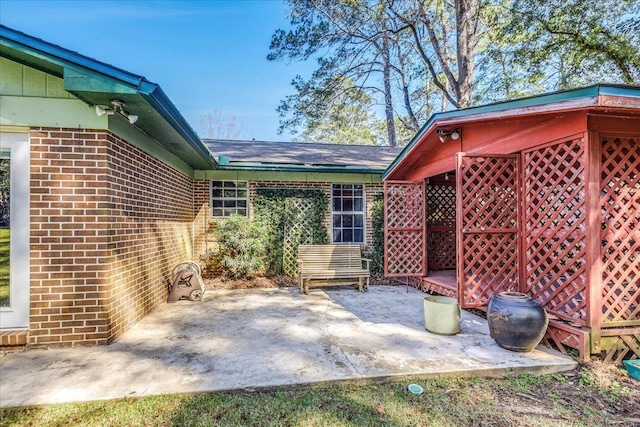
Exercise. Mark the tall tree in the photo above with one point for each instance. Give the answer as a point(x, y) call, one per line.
point(351, 120)
point(570, 43)
point(414, 57)
point(445, 39)
point(349, 39)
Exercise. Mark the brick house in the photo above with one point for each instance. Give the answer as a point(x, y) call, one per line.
point(111, 188)
point(349, 175)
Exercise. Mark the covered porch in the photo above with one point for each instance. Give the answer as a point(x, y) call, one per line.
point(540, 196)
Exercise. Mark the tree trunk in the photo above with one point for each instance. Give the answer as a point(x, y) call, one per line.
point(467, 36)
point(388, 101)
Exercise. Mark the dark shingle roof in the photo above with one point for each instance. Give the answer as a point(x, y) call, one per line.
point(302, 154)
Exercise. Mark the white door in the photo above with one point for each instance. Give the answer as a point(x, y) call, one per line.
point(14, 230)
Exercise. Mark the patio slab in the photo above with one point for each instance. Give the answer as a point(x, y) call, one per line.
point(251, 339)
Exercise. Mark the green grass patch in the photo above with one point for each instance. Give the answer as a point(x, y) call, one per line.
point(446, 401)
point(5, 239)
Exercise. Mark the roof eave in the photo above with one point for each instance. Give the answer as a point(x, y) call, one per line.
point(258, 167)
point(80, 74)
point(565, 100)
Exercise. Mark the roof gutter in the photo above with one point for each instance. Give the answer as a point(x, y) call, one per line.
point(161, 103)
point(298, 168)
point(45, 50)
point(149, 91)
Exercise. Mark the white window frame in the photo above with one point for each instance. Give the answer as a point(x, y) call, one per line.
point(223, 198)
point(351, 212)
point(16, 316)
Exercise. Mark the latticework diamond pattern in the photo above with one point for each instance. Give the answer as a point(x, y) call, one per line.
point(489, 252)
point(441, 206)
point(623, 346)
point(404, 228)
point(489, 191)
point(441, 223)
point(441, 250)
point(297, 232)
point(555, 228)
point(405, 205)
point(493, 269)
point(620, 202)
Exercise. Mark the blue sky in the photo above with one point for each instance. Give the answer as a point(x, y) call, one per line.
point(206, 55)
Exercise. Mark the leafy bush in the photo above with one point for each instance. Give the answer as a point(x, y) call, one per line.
point(377, 224)
point(239, 248)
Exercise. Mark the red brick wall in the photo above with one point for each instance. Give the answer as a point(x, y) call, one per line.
point(371, 190)
point(108, 222)
point(151, 230)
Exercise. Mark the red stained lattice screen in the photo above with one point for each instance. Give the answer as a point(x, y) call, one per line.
point(555, 228)
point(441, 225)
point(620, 203)
point(488, 215)
point(404, 204)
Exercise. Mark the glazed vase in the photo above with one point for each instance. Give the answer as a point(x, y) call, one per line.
point(516, 321)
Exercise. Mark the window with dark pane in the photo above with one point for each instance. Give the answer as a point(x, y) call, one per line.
point(229, 197)
point(348, 210)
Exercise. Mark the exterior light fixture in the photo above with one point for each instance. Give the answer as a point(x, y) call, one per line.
point(118, 106)
point(444, 134)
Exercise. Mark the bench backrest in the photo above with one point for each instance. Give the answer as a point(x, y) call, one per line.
point(330, 257)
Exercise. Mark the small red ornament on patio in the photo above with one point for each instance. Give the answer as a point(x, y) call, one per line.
point(516, 321)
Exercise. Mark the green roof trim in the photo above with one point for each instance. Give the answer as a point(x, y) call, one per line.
point(249, 166)
point(532, 101)
point(97, 83)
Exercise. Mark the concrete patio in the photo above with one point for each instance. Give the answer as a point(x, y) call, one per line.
point(266, 338)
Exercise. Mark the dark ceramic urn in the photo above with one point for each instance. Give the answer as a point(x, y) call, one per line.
point(516, 321)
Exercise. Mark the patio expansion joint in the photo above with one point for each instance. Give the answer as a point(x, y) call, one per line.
point(334, 339)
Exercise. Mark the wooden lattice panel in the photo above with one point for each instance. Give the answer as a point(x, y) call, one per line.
point(493, 267)
point(404, 228)
point(555, 228)
point(489, 222)
point(565, 337)
point(619, 344)
point(441, 249)
point(620, 203)
point(441, 206)
point(297, 232)
point(441, 222)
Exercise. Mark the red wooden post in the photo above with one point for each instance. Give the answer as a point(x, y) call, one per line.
point(425, 254)
point(593, 238)
point(459, 225)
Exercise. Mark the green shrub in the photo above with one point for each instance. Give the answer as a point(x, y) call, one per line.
point(239, 248)
point(377, 223)
point(270, 210)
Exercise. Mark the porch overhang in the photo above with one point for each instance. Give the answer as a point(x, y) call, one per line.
point(96, 83)
point(607, 99)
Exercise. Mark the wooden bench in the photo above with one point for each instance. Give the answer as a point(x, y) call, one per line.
point(329, 265)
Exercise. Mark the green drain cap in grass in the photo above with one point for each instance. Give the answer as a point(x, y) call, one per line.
point(415, 389)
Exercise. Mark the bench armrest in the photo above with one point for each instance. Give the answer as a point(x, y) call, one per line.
point(367, 260)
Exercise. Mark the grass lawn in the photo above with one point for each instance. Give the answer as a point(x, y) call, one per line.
point(4, 266)
point(591, 395)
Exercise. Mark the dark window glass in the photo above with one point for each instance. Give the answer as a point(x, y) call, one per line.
point(348, 213)
point(231, 196)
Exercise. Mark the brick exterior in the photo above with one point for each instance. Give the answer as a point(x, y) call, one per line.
point(371, 190)
point(108, 223)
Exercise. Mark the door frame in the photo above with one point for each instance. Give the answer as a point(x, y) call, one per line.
point(16, 316)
